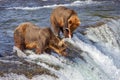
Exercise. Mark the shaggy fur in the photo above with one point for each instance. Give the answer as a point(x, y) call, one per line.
point(30, 36)
point(65, 20)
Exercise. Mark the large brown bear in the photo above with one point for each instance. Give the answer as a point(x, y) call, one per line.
point(65, 20)
point(30, 36)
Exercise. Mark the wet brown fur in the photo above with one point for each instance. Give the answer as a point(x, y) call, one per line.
point(30, 36)
point(63, 18)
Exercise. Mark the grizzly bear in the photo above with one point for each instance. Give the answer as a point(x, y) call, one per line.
point(65, 20)
point(30, 36)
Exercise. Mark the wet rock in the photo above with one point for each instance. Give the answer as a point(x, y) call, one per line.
point(74, 51)
point(20, 66)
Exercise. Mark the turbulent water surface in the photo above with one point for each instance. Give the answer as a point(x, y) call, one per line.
point(94, 50)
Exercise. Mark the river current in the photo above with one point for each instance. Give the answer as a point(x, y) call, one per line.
point(98, 38)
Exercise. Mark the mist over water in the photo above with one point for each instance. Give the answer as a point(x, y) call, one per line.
point(95, 47)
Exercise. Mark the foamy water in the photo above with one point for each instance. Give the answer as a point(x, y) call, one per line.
point(104, 62)
point(98, 66)
point(101, 55)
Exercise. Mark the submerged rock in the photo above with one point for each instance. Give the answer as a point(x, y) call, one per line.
point(19, 66)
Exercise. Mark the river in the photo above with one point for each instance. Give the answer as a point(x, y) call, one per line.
point(97, 39)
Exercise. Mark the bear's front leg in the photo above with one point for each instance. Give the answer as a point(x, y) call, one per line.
point(57, 31)
point(38, 50)
point(58, 50)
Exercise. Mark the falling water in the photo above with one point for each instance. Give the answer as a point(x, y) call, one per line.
point(92, 56)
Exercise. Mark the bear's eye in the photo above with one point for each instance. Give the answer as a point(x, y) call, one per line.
point(70, 22)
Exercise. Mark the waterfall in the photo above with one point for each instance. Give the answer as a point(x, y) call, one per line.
point(108, 32)
point(99, 50)
point(106, 38)
point(93, 52)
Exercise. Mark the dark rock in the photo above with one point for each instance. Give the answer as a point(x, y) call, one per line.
point(20, 66)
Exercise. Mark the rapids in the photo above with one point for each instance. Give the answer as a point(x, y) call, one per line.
point(94, 50)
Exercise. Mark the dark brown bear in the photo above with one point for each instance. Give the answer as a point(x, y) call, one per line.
point(30, 36)
point(65, 20)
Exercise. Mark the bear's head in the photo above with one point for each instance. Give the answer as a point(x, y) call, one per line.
point(58, 45)
point(73, 23)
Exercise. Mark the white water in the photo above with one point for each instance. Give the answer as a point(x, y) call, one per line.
point(107, 39)
point(75, 3)
point(102, 58)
